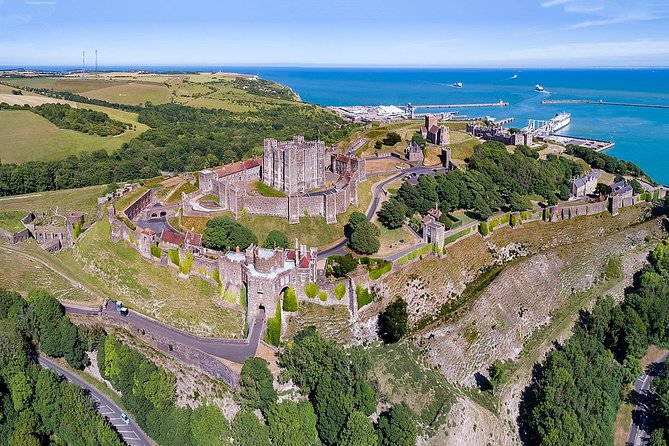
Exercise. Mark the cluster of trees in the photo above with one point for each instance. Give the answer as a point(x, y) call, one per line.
point(576, 392)
point(363, 235)
point(276, 239)
point(149, 393)
point(181, 139)
point(495, 179)
point(225, 234)
point(36, 405)
point(391, 139)
point(660, 434)
point(340, 400)
point(394, 321)
point(605, 162)
point(81, 119)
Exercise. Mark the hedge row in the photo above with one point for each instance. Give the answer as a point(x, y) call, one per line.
point(454, 237)
point(363, 296)
point(380, 270)
point(417, 253)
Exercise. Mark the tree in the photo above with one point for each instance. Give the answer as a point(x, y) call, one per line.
point(397, 427)
point(224, 233)
point(378, 145)
point(354, 221)
point(21, 389)
point(209, 427)
point(498, 373)
point(344, 265)
point(393, 321)
point(637, 188)
point(248, 430)
point(365, 238)
point(293, 424)
point(333, 401)
point(391, 139)
point(276, 239)
point(392, 214)
point(358, 431)
point(257, 385)
point(160, 389)
point(603, 190)
point(70, 344)
point(418, 139)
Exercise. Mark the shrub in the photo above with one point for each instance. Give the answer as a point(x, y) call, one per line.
point(382, 267)
point(363, 296)
point(187, 264)
point(340, 291)
point(156, 251)
point(323, 296)
point(289, 300)
point(311, 290)
point(174, 256)
point(483, 227)
point(454, 237)
point(273, 335)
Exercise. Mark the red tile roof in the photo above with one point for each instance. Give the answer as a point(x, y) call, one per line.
point(239, 166)
point(175, 238)
point(148, 231)
point(290, 254)
point(342, 158)
point(193, 238)
point(305, 261)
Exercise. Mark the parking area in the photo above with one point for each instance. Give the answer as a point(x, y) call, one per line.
point(127, 432)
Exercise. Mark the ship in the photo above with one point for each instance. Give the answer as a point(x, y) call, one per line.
point(457, 84)
point(539, 88)
point(559, 121)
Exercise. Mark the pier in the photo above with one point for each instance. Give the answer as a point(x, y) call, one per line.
point(501, 103)
point(600, 102)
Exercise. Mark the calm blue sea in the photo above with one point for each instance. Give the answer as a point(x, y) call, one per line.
point(641, 134)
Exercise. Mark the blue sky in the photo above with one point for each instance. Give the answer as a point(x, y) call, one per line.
point(499, 33)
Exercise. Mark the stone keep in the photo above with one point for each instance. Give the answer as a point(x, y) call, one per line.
point(293, 166)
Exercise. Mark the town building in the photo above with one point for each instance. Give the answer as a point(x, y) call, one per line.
point(622, 189)
point(293, 166)
point(585, 185)
point(241, 171)
point(414, 152)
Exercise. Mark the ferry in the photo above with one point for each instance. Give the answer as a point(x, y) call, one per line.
point(559, 121)
point(457, 84)
point(539, 88)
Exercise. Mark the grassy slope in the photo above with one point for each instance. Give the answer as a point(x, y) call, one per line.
point(150, 288)
point(84, 199)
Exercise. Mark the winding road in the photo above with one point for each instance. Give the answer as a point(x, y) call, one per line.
point(131, 433)
point(231, 350)
point(645, 396)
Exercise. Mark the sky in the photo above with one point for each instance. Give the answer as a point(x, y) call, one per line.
point(474, 33)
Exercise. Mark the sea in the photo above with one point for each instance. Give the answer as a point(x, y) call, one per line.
point(641, 135)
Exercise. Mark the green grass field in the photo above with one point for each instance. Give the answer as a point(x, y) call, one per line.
point(267, 191)
point(26, 136)
point(84, 199)
point(118, 270)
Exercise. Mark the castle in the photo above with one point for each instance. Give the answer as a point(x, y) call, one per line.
point(293, 166)
point(500, 134)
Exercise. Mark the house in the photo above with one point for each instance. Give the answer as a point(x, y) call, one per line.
point(622, 189)
point(414, 153)
point(585, 185)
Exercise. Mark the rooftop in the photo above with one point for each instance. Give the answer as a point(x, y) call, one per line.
point(239, 166)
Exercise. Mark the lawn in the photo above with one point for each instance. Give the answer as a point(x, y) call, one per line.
point(26, 136)
point(118, 270)
point(83, 199)
point(394, 240)
point(462, 145)
point(267, 191)
point(11, 220)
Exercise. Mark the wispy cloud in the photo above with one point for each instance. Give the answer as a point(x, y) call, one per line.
point(595, 51)
point(40, 2)
point(551, 3)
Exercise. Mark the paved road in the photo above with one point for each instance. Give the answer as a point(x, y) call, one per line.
point(638, 434)
point(132, 434)
point(232, 350)
point(338, 249)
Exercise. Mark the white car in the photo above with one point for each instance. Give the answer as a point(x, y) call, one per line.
point(125, 418)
